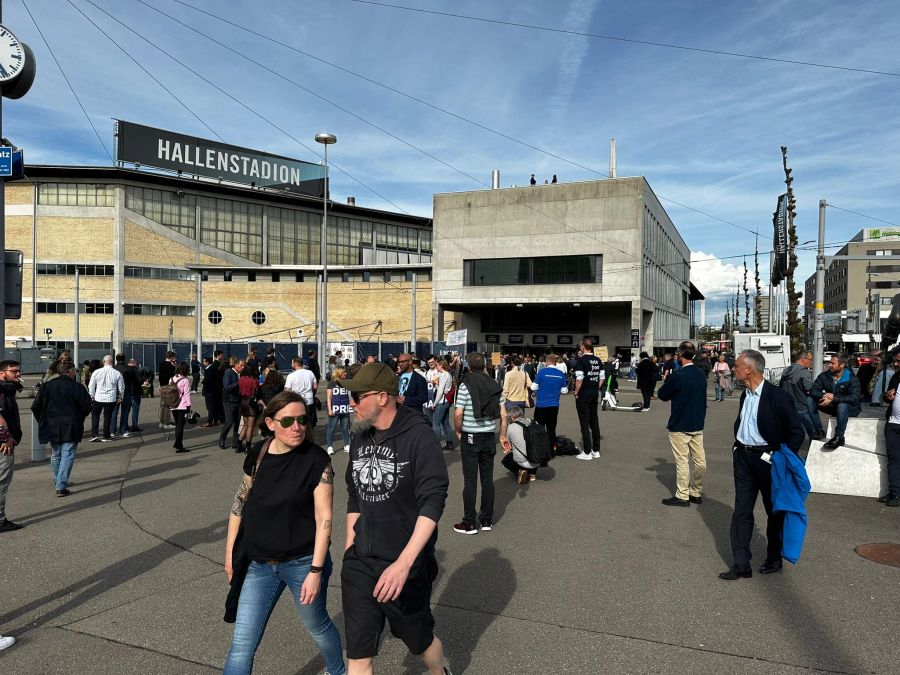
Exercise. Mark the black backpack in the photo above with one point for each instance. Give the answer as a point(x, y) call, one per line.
point(565, 446)
point(537, 442)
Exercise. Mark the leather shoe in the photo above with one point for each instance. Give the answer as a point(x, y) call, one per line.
point(695, 500)
point(10, 526)
point(223, 446)
point(736, 573)
point(674, 501)
point(833, 443)
point(893, 501)
point(770, 566)
point(884, 499)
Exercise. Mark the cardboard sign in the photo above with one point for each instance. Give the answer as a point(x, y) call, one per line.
point(495, 358)
point(602, 353)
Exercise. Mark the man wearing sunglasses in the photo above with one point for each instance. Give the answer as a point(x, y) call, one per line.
point(10, 434)
point(396, 490)
point(413, 389)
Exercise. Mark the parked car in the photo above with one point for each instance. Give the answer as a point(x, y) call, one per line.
point(861, 359)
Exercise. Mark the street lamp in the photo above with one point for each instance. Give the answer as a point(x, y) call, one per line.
point(326, 140)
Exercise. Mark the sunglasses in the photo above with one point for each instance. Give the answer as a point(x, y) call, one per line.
point(357, 397)
point(288, 421)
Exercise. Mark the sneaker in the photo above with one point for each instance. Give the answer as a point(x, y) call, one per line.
point(168, 426)
point(584, 455)
point(106, 439)
point(465, 528)
point(448, 446)
point(595, 454)
point(330, 450)
point(127, 434)
point(532, 477)
point(9, 641)
point(63, 493)
point(134, 429)
point(95, 439)
point(162, 426)
point(446, 669)
point(10, 526)
point(486, 525)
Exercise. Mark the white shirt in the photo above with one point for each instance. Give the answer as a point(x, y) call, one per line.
point(302, 382)
point(107, 385)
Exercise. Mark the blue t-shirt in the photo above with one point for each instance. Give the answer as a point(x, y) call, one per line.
point(550, 381)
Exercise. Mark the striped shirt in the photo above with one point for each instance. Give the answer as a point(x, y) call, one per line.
point(469, 423)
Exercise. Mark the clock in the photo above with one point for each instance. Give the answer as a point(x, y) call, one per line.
point(12, 56)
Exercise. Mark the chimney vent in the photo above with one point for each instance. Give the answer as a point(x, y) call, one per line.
point(495, 179)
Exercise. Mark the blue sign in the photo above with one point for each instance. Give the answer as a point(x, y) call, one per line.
point(18, 164)
point(6, 161)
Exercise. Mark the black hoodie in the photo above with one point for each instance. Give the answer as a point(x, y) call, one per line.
point(9, 408)
point(393, 482)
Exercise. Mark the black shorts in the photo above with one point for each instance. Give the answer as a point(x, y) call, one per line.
point(409, 616)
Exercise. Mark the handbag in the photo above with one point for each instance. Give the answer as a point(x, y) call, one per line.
point(240, 561)
point(192, 417)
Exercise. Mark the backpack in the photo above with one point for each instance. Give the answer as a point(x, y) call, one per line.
point(565, 446)
point(537, 442)
point(169, 395)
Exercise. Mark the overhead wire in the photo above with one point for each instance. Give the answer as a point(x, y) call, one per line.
point(68, 82)
point(616, 38)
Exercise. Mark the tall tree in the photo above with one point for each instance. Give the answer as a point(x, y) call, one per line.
point(746, 298)
point(757, 300)
point(794, 325)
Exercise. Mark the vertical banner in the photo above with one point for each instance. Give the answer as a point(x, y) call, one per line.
point(780, 241)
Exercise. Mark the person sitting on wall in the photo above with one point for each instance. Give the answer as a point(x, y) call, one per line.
point(835, 392)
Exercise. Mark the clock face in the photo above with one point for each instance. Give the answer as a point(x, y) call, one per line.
point(12, 55)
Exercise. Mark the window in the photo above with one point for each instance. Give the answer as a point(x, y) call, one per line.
point(56, 308)
point(251, 276)
point(276, 276)
point(227, 276)
point(159, 310)
point(76, 194)
point(298, 277)
point(345, 277)
point(571, 269)
point(366, 276)
point(87, 270)
point(259, 318)
point(167, 273)
point(97, 308)
point(214, 317)
point(174, 209)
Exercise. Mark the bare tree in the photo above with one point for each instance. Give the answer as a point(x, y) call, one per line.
point(794, 326)
point(746, 298)
point(757, 300)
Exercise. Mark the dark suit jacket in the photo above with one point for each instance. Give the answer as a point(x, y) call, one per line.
point(776, 418)
point(62, 404)
point(416, 392)
point(230, 392)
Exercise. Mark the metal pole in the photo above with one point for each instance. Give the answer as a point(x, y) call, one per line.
point(77, 346)
point(412, 329)
point(819, 325)
point(323, 331)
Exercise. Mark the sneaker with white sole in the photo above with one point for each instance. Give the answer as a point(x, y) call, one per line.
point(465, 528)
point(127, 434)
point(595, 454)
point(330, 450)
point(486, 525)
point(584, 455)
point(9, 641)
point(95, 439)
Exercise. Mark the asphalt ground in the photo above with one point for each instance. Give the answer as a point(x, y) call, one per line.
point(584, 572)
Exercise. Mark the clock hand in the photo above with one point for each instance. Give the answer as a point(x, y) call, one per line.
point(3, 72)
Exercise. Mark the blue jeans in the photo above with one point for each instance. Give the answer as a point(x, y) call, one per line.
point(61, 461)
point(118, 424)
point(810, 422)
point(843, 412)
point(720, 391)
point(441, 423)
point(259, 594)
point(333, 421)
point(135, 409)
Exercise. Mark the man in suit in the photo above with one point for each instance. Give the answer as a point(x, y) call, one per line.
point(766, 418)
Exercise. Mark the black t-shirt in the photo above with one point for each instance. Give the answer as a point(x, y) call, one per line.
point(590, 366)
point(279, 517)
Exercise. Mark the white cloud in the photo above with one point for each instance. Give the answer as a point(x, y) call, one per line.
point(715, 278)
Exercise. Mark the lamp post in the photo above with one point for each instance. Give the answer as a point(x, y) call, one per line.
point(326, 140)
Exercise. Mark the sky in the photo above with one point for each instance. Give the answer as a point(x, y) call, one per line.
point(423, 103)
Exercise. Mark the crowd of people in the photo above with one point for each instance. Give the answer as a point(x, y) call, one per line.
point(396, 418)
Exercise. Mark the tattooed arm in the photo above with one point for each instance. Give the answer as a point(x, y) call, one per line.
point(322, 504)
point(234, 520)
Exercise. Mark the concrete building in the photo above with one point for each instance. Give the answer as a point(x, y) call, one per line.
point(848, 284)
point(218, 262)
point(537, 267)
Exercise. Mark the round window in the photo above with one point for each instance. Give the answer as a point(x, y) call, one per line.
point(215, 317)
point(259, 318)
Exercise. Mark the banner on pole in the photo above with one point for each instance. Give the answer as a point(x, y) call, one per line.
point(457, 337)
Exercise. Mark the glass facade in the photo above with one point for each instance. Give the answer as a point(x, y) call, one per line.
point(560, 269)
point(76, 194)
point(159, 310)
point(168, 273)
point(69, 308)
point(293, 235)
point(86, 270)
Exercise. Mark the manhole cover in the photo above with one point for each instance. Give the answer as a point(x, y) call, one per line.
point(886, 554)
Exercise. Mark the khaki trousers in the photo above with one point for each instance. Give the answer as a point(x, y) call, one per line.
point(688, 445)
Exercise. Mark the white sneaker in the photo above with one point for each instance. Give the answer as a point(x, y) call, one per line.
point(7, 641)
point(127, 434)
point(168, 426)
point(330, 450)
point(162, 426)
point(595, 455)
point(584, 455)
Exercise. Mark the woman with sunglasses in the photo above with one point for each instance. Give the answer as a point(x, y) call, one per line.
point(285, 524)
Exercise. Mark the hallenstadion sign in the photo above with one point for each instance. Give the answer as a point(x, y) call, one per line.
point(202, 157)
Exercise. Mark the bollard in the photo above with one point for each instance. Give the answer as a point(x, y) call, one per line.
point(38, 449)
